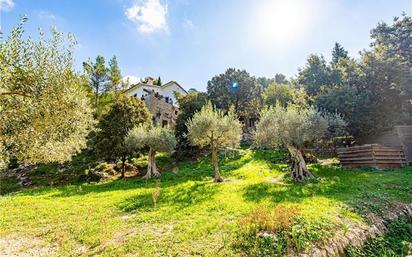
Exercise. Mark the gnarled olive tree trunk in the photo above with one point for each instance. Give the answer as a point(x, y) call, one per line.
point(299, 169)
point(151, 165)
point(218, 178)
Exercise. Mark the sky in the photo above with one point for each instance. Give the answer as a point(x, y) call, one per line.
point(190, 41)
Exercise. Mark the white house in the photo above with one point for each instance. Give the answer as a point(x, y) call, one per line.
point(160, 100)
point(147, 86)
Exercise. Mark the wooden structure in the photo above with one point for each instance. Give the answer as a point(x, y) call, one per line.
point(399, 136)
point(372, 156)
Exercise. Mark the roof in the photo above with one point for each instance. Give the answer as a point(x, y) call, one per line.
point(170, 83)
point(141, 84)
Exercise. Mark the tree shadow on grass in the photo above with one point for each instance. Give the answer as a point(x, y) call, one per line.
point(201, 171)
point(188, 194)
point(352, 187)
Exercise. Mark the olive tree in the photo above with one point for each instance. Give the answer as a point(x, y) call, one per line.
point(295, 127)
point(45, 114)
point(213, 128)
point(156, 139)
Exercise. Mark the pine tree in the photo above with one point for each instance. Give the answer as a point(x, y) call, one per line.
point(338, 52)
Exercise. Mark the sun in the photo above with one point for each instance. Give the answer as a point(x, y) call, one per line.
point(281, 22)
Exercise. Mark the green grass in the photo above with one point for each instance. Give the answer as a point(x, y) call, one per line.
point(193, 216)
point(394, 243)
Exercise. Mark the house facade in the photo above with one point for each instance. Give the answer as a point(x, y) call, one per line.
point(160, 100)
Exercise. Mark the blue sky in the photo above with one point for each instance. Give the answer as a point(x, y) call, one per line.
point(191, 41)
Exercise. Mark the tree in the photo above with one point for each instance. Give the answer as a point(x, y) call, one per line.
point(158, 81)
point(97, 75)
point(295, 127)
point(114, 75)
point(278, 94)
point(395, 38)
point(235, 88)
point(157, 139)
point(211, 127)
point(338, 53)
point(45, 114)
point(281, 79)
point(188, 106)
point(125, 114)
point(314, 76)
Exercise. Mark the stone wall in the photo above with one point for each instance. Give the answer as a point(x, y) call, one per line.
point(358, 234)
point(163, 113)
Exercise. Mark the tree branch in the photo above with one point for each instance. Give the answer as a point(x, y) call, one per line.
point(14, 93)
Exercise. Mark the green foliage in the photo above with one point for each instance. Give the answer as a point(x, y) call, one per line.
point(211, 127)
point(372, 93)
point(235, 88)
point(114, 75)
point(274, 93)
point(157, 138)
point(45, 114)
point(338, 53)
point(188, 106)
point(394, 243)
point(125, 114)
point(97, 75)
point(296, 126)
point(395, 38)
point(315, 76)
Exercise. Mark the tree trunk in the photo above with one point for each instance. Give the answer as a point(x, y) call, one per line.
point(151, 165)
point(154, 167)
point(123, 167)
point(299, 169)
point(96, 100)
point(218, 178)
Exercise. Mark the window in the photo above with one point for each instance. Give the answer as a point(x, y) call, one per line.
point(164, 123)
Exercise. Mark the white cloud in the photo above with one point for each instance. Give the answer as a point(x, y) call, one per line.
point(45, 15)
point(149, 16)
point(6, 5)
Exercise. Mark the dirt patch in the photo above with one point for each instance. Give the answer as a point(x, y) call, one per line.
point(22, 246)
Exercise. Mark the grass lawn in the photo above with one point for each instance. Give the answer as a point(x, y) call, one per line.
point(193, 216)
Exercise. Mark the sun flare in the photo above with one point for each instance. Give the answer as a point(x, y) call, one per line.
point(282, 22)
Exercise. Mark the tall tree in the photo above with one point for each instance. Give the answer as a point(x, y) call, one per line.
point(315, 76)
point(125, 114)
point(338, 52)
point(295, 127)
point(45, 114)
point(395, 38)
point(114, 75)
point(213, 128)
point(156, 139)
point(188, 106)
point(97, 74)
point(235, 88)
